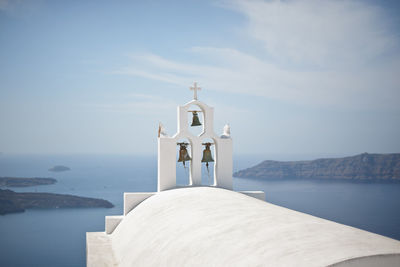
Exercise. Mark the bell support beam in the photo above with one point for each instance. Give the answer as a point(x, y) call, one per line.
point(223, 163)
point(208, 119)
point(196, 162)
point(182, 119)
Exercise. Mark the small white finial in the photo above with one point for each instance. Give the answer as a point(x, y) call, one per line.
point(195, 88)
point(161, 130)
point(227, 131)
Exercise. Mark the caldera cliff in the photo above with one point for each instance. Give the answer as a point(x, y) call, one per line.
point(366, 167)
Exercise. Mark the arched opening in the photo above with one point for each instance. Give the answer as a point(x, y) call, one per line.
point(195, 120)
point(183, 162)
point(208, 162)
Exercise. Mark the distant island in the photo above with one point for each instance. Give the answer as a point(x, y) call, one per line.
point(364, 167)
point(11, 202)
point(24, 182)
point(59, 168)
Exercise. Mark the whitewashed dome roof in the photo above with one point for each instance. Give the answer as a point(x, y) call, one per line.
point(205, 226)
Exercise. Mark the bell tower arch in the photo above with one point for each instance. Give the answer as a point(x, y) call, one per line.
point(223, 163)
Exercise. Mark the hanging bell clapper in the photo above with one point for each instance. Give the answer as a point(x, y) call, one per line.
point(195, 120)
point(208, 173)
point(183, 153)
point(207, 155)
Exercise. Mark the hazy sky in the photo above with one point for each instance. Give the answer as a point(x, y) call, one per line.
point(291, 77)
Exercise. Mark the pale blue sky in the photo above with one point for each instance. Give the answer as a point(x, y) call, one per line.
point(291, 77)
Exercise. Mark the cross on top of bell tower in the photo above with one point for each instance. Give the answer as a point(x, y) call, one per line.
point(195, 88)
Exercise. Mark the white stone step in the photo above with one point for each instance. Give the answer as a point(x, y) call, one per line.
point(131, 200)
point(112, 223)
point(256, 194)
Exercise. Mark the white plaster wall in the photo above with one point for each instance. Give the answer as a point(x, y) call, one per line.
point(99, 251)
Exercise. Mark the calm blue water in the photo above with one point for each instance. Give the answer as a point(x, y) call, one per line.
point(57, 237)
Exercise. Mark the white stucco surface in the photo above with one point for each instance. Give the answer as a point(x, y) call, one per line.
point(112, 222)
point(131, 200)
point(99, 252)
point(206, 226)
point(256, 194)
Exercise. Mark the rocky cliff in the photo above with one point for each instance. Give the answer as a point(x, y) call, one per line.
point(369, 167)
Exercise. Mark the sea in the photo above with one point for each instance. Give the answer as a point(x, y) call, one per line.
point(57, 237)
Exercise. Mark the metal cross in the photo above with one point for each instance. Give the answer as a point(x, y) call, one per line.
point(195, 88)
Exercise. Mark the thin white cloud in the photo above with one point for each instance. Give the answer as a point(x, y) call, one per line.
point(319, 53)
point(164, 77)
point(136, 104)
point(245, 74)
point(323, 33)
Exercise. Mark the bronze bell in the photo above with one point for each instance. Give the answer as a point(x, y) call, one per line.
point(183, 153)
point(195, 121)
point(207, 156)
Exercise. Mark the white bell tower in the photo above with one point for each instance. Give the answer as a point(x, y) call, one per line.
point(167, 145)
point(167, 149)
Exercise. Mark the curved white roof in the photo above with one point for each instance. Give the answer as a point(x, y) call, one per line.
point(205, 226)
